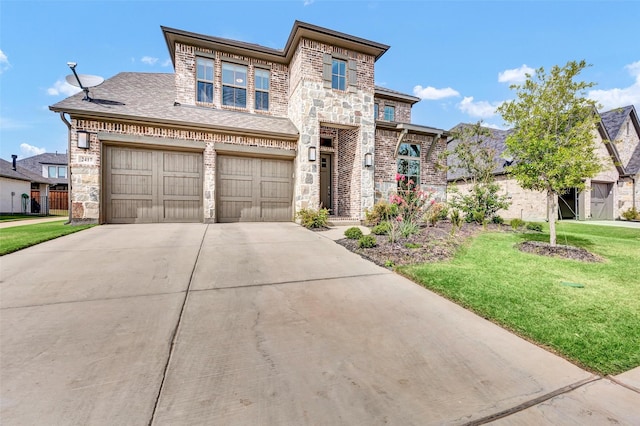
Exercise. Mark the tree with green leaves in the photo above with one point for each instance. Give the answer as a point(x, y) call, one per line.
point(552, 144)
point(473, 159)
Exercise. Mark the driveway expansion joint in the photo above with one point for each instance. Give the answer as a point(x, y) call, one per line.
point(623, 384)
point(533, 402)
point(174, 335)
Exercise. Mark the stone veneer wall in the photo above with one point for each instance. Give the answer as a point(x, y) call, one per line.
point(432, 178)
point(85, 165)
point(402, 112)
point(351, 112)
point(627, 141)
point(185, 72)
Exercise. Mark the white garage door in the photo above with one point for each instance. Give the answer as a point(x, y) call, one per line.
point(147, 186)
point(254, 189)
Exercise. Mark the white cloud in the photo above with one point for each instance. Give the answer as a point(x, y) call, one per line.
point(516, 75)
point(29, 150)
point(61, 87)
point(166, 63)
point(431, 93)
point(615, 98)
point(4, 62)
point(10, 124)
point(493, 126)
point(149, 60)
point(482, 109)
point(308, 2)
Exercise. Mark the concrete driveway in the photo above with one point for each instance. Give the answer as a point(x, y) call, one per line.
point(238, 324)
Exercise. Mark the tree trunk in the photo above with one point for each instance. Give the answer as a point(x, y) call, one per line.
point(552, 212)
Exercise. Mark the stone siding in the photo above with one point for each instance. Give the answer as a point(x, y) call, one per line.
point(627, 141)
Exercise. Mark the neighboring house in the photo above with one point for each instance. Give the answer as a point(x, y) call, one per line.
point(16, 181)
point(613, 190)
point(242, 132)
point(54, 167)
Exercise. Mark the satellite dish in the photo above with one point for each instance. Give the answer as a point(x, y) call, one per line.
point(84, 80)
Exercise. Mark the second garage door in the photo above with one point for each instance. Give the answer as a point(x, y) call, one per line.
point(254, 189)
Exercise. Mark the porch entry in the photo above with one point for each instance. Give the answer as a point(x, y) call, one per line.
point(326, 189)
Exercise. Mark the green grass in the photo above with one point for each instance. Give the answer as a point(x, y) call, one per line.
point(596, 326)
point(23, 236)
point(14, 217)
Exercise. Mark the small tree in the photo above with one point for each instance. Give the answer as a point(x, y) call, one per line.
point(552, 143)
point(474, 159)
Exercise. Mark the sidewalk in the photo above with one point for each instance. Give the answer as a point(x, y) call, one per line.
point(11, 224)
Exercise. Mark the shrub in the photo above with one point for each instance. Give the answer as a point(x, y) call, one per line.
point(437, 212)
point(498, 220)
point(517, 224)
point(353, 233)
point(382, 228)
point(533, 226)
point(367, 241)
point(407, 228)
point(480, 203)
point(313, 219)
point(456, 219)
point(631, 214)
point(381, 212)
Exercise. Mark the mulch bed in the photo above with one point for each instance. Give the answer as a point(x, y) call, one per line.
point(565, 252)
point(438, 243)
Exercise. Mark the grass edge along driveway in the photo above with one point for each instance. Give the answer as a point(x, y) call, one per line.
point(19, 237)
point(596, 326)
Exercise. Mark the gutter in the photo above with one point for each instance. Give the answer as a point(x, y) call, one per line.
point(68, 124)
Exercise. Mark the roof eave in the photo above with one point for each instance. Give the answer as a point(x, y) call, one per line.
point(178, 123)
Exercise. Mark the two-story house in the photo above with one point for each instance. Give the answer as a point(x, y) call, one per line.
point(52, 166)
point(243, 132)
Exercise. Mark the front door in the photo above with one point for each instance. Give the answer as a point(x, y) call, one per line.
point(325, 181)
point(601, 201)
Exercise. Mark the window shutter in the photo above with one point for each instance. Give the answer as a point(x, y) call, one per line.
point(327, 61)
point(352, 75)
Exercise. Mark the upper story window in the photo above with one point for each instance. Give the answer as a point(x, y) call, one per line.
point(376, 110)
point(408, 165)
point(262, 89)
point(57, 172)
point(389, 113)
point(205, 80)
point(234, 85)
point(339, 74)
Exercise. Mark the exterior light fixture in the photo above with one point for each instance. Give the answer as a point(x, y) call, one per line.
point(368, 159)
point(312, 153)
point(83, 139)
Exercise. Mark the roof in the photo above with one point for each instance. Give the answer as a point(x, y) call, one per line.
point(6, 170)
point(300, 29)
point(494, 140)
point(149, 98)
point(613, 121)
point(35, 163)
point(383, 92)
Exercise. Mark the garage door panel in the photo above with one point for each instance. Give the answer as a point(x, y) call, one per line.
point(254, 189)
point(144, 185)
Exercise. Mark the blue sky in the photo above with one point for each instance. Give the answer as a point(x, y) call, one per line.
point(459, 56)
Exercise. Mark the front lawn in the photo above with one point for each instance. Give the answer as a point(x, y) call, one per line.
point(19, 237)
point(587, 312)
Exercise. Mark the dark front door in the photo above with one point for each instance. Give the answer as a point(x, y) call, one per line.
point(325, 181)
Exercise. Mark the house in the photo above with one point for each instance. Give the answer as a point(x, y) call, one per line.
point(613, 190)
point(15, 189)
point(54, 167)
point(243, 132)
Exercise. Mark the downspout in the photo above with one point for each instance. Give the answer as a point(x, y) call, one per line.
point(68, 124)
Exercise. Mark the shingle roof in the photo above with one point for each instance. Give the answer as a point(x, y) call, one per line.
point(150, 97)
point(494, 140)
point(388, 93)
point(612, 120)
point(6, 170)
point(34, 164)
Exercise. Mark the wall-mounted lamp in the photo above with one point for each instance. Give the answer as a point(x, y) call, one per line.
point(368, 159)
point(83, 139)
point(312, 153)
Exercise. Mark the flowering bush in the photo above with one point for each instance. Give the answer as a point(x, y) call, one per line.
point(412, 203)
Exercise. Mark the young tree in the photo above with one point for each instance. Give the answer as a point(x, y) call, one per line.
point(553, 140)
point(473, 158)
